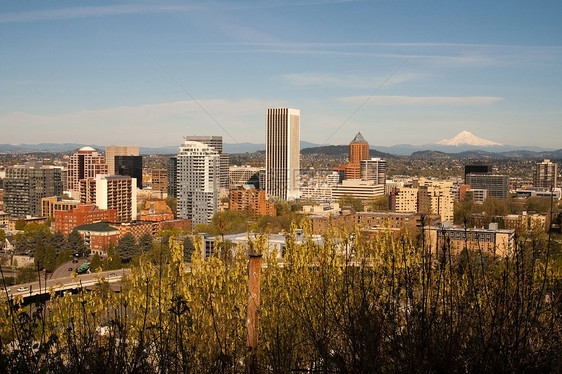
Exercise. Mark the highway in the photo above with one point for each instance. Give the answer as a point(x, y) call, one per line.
point(63, 270)
point(66, 283)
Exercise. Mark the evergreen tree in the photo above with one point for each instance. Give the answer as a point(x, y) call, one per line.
point(112, 261)
point(57, 241)
point(145, 242)
point(64, 255)
point(39, 255)
point(95, 263)
point(188, 248)
point(23, 244)
point(75, 244)
point(50, 258)
point(127, 247)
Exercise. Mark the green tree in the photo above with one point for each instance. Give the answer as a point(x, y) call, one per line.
point(462, 211)
point(50, 258)
point(33, 229)
point(20, 224)
point(127, 247)
point(39, 254)
point(112, 260)
point(188, 248)
point(2, 237)
point(95, 263)
point(351, 201)
point(378, 203)
point(538, 204)
point(64, 255)
point(23, 244)
point(282, 207)
point(145, 242)
point(57, 241)
point(495, 207)
point(75, 244)
point(172, 203)
point(227, 222)
point(27, 274)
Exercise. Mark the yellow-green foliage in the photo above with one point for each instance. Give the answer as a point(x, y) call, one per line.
point(356, 304)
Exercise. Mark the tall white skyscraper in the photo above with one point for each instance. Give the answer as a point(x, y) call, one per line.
point(282, 153)
point(198, 173)
point(215, 141)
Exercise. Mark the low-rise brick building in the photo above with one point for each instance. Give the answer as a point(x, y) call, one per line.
point(83, 214)
point(249, 199)
point(98, 236)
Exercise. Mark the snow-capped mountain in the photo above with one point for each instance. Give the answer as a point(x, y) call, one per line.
point(467, 138)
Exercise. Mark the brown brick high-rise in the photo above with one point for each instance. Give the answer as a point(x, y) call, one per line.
point(358, 151)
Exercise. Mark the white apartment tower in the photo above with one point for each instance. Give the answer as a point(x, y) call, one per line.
point(282, 153)
point(215, 141)
point(198, 173)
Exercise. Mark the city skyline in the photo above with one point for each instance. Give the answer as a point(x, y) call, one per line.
point(405, 72)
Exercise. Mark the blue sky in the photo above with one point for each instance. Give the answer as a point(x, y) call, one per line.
point(401, 72)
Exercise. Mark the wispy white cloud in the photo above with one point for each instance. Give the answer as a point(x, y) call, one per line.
point(116, 10)
point(438, 54)
point(148, 125)
point(422, 100)
point(93, 11)
point(349, 80)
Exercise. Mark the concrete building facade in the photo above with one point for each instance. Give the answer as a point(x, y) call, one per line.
point(248, 199)
point(374, 169)
point(52, 204)
point(198, 169)
point(497, 185)
point(492, 240)
point(436, 200)
point(357, 188)
point(215, 142)
point(25, 186)
point(85, 163)
point(282, 153)
point(111, 192)
point(546, 174)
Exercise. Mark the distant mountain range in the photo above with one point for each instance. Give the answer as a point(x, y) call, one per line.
point(465, 144)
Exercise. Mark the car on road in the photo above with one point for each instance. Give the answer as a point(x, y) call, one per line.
point(69, 269)
point(21, 289)
point(74, 261)
point(112, 275)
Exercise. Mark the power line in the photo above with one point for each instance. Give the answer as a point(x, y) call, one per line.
point(193, 98)
point(396, 70)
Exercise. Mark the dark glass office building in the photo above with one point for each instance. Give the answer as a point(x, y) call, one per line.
point(131, 166)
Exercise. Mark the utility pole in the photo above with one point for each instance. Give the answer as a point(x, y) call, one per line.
point(253, 317)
